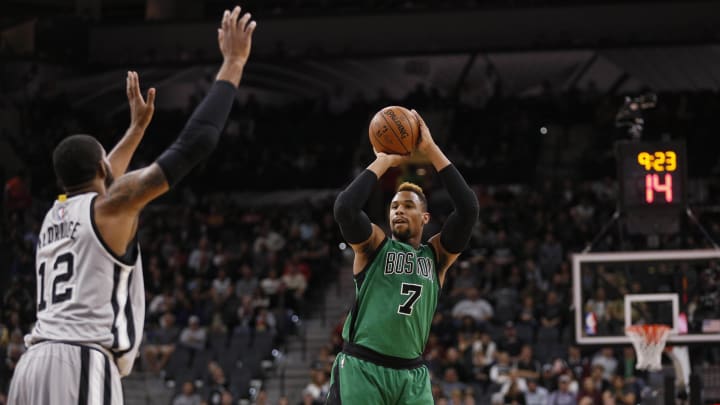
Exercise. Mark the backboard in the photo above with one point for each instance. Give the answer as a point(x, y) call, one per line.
point(678, 288)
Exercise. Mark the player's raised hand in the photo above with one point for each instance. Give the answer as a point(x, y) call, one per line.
point(391, 159)
point(426, 140)
point(235, 35)
point(141, 111)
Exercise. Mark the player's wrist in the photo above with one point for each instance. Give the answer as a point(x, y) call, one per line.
point(136, 128)
point(437, 157)
point(231, 71)
point(430, 149)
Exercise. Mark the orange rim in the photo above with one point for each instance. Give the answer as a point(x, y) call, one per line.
point(651, 333)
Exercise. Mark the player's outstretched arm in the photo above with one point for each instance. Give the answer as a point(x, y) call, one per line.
point(116, 212)
point(362, 235)
point(141, 113)
point(457, 229)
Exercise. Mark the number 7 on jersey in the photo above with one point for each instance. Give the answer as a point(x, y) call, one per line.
point(414, 291)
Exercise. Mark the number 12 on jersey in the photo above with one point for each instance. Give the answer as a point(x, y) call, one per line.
point(414, 291)
point(62, 272)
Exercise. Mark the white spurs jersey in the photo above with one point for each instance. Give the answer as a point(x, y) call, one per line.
point(87, 294)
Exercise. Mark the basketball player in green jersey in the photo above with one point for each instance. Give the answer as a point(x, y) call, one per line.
point(397, 281)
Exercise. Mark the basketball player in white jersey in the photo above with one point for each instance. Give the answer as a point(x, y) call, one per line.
point(90, 305)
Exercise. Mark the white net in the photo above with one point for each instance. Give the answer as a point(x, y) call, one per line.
point(649, 342)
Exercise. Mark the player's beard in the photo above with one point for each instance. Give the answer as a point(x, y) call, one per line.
point(402, 236)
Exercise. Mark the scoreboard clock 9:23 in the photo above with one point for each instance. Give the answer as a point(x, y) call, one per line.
point(652, 175)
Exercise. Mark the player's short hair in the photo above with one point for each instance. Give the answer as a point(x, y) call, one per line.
point(413, 188)
point(75, 160)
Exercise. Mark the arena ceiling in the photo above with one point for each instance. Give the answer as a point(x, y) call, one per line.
point(468, 76)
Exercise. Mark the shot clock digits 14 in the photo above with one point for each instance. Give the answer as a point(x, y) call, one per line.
point(651, 175)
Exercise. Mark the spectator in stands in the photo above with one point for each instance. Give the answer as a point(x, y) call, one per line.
point(247, 283)
point(259, 300)
point(16, 345)
point(598, 306)
point(161, 304)
point(456, 397)
point(536, 394)
point(552, 312)
point(245, 315)
point(579, 365)
point(474, 306)
point(480, 369)
point(268, 240)
point(220, 256)
point(500, 371)
point(221, 288)
point(623, 392)
point(528, 313)
point(550, 256)
point(453, 360)
point(597, 375)
point(486, 346)
point(217, 384)
point(272, 287)
point(319, 383)
point(465, 279)
point(527, 366)
point(265, 321)
point(226, 398)
point(308, 398)
point(187, 396)
point(514, 392)
point(587, 401)
point(156, 278)
point(626, 366)
point(606, 358)
point(200, 258)
point(451, 381)
point(506, 300)
point(160, 343)
point(295, 284)
point(510, 342)
point(193, 336)
point(563, 396)
point(533, 276)
point(588, 390)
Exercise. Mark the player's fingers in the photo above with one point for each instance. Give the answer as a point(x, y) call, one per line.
point(128, 86)
point(242, 24)
point(418, 118)
point(136, 85)
point(251, 28)
point(234, 18)
point(151, 97)
point(226, 21)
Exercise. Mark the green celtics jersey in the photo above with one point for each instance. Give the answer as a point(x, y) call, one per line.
point(396, 296)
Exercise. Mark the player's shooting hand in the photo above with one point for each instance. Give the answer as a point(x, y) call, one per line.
point(426, 141)
point(391, 159)
point(141, 111)
point(235, 36)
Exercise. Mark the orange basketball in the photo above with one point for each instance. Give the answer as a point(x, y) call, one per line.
point(394, 130)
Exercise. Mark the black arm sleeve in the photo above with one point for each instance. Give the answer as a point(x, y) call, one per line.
point(354, 223)
point(458, 227)
point(201, 133)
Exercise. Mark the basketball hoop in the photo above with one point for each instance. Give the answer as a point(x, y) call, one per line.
point(649, 342)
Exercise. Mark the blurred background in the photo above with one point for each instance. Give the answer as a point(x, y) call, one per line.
point(247, 277)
